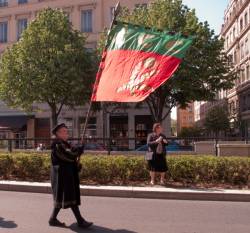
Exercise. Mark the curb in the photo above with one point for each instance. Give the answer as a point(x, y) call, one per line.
point(137, 192)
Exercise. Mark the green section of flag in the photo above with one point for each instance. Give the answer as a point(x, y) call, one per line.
point(131, 37)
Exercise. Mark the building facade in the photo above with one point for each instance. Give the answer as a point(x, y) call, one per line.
point(236, 32)
point(185, 117)
point(89, 17)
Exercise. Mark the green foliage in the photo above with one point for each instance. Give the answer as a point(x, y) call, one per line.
point(6, 166)
point(188, 132)
point(205, 69)
point(124, 170)
point(217, 120)
point(49, 64)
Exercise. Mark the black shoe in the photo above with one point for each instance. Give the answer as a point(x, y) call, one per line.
point(84, 224)
point(56, 223)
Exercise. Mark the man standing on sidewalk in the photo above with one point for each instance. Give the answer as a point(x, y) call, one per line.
point(65, 178)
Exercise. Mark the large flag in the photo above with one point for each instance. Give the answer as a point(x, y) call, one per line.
point(136, 62)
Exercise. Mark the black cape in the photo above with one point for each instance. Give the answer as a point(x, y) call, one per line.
point(65, 181)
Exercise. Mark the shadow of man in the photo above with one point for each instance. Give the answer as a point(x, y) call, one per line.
point(7, 224)
point(98, 229)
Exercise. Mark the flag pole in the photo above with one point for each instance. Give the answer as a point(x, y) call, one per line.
point(116, 12)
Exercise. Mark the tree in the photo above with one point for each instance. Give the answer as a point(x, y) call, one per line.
point(49, 64)
point(190, 132)
point(217, 120)
point(205, 69)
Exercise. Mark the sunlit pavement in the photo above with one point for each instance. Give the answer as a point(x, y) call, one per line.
point(29, 213)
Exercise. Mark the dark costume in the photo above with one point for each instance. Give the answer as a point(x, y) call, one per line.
point(64, 174)
point(65, 181)
point(158, 162)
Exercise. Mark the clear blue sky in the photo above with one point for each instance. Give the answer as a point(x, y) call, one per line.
point(208, 10)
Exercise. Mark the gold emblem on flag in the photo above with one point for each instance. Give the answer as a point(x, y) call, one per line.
point(174, 45)
point(144, 41)
point(140, 76)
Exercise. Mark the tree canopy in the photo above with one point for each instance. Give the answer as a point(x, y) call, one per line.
point(217, 120)
point(190, 132)
point(49, 64)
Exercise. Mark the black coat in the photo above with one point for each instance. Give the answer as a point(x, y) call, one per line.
point(65, 181)
point(158, 162)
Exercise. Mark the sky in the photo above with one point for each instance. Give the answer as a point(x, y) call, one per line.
point(208, 10)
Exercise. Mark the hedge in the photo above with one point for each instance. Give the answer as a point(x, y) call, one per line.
point(125, 170)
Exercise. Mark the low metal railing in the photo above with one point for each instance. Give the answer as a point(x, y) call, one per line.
point(112, 144)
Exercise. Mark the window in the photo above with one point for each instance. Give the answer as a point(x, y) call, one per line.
point(3, 3)
point(247, 73)
point(242, 75)
point(21, 26)
point(235, 57)
point(86, 21)
point(3, 32)
point(230, 58)
point(22, 1)
point(234, 34)
point(241, 24)
point(189, 109)
point(244, 103)
point(248, 101)
point(246, 19)
point(91, 130)
point(242, 51)
point(246, 47)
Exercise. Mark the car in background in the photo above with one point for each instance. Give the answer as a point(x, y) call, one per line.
point(94, 146)
point(172, 146)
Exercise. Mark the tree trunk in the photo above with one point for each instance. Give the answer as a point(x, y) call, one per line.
point(54, 116)
point(157, 111)
point(55, 112)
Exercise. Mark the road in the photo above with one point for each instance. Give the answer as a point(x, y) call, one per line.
point(28, 213)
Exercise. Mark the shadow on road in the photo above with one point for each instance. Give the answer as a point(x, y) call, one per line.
point(97, 229)
point(7, 224)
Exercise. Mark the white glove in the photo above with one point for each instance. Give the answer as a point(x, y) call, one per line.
point(159, 140)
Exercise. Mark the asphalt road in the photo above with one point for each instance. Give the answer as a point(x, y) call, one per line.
point(29, 213)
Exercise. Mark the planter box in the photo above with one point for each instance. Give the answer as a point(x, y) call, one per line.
point(208, 147)
point(234, 150)
point(205, 148)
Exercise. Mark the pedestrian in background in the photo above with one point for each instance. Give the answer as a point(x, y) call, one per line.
point(157, 164)
point(65, 178)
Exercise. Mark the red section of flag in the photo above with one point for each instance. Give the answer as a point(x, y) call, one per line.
point(130, 75)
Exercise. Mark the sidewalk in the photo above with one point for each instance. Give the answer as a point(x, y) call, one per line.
point(137, 192)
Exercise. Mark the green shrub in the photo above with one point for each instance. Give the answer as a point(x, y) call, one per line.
point(128, 170)
point(6, 166)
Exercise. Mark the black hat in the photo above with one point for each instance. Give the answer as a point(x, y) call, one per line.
point(56, 128)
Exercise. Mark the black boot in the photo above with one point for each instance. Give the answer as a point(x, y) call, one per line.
point(82, 223)
point(53, 221)
point(56, 223)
